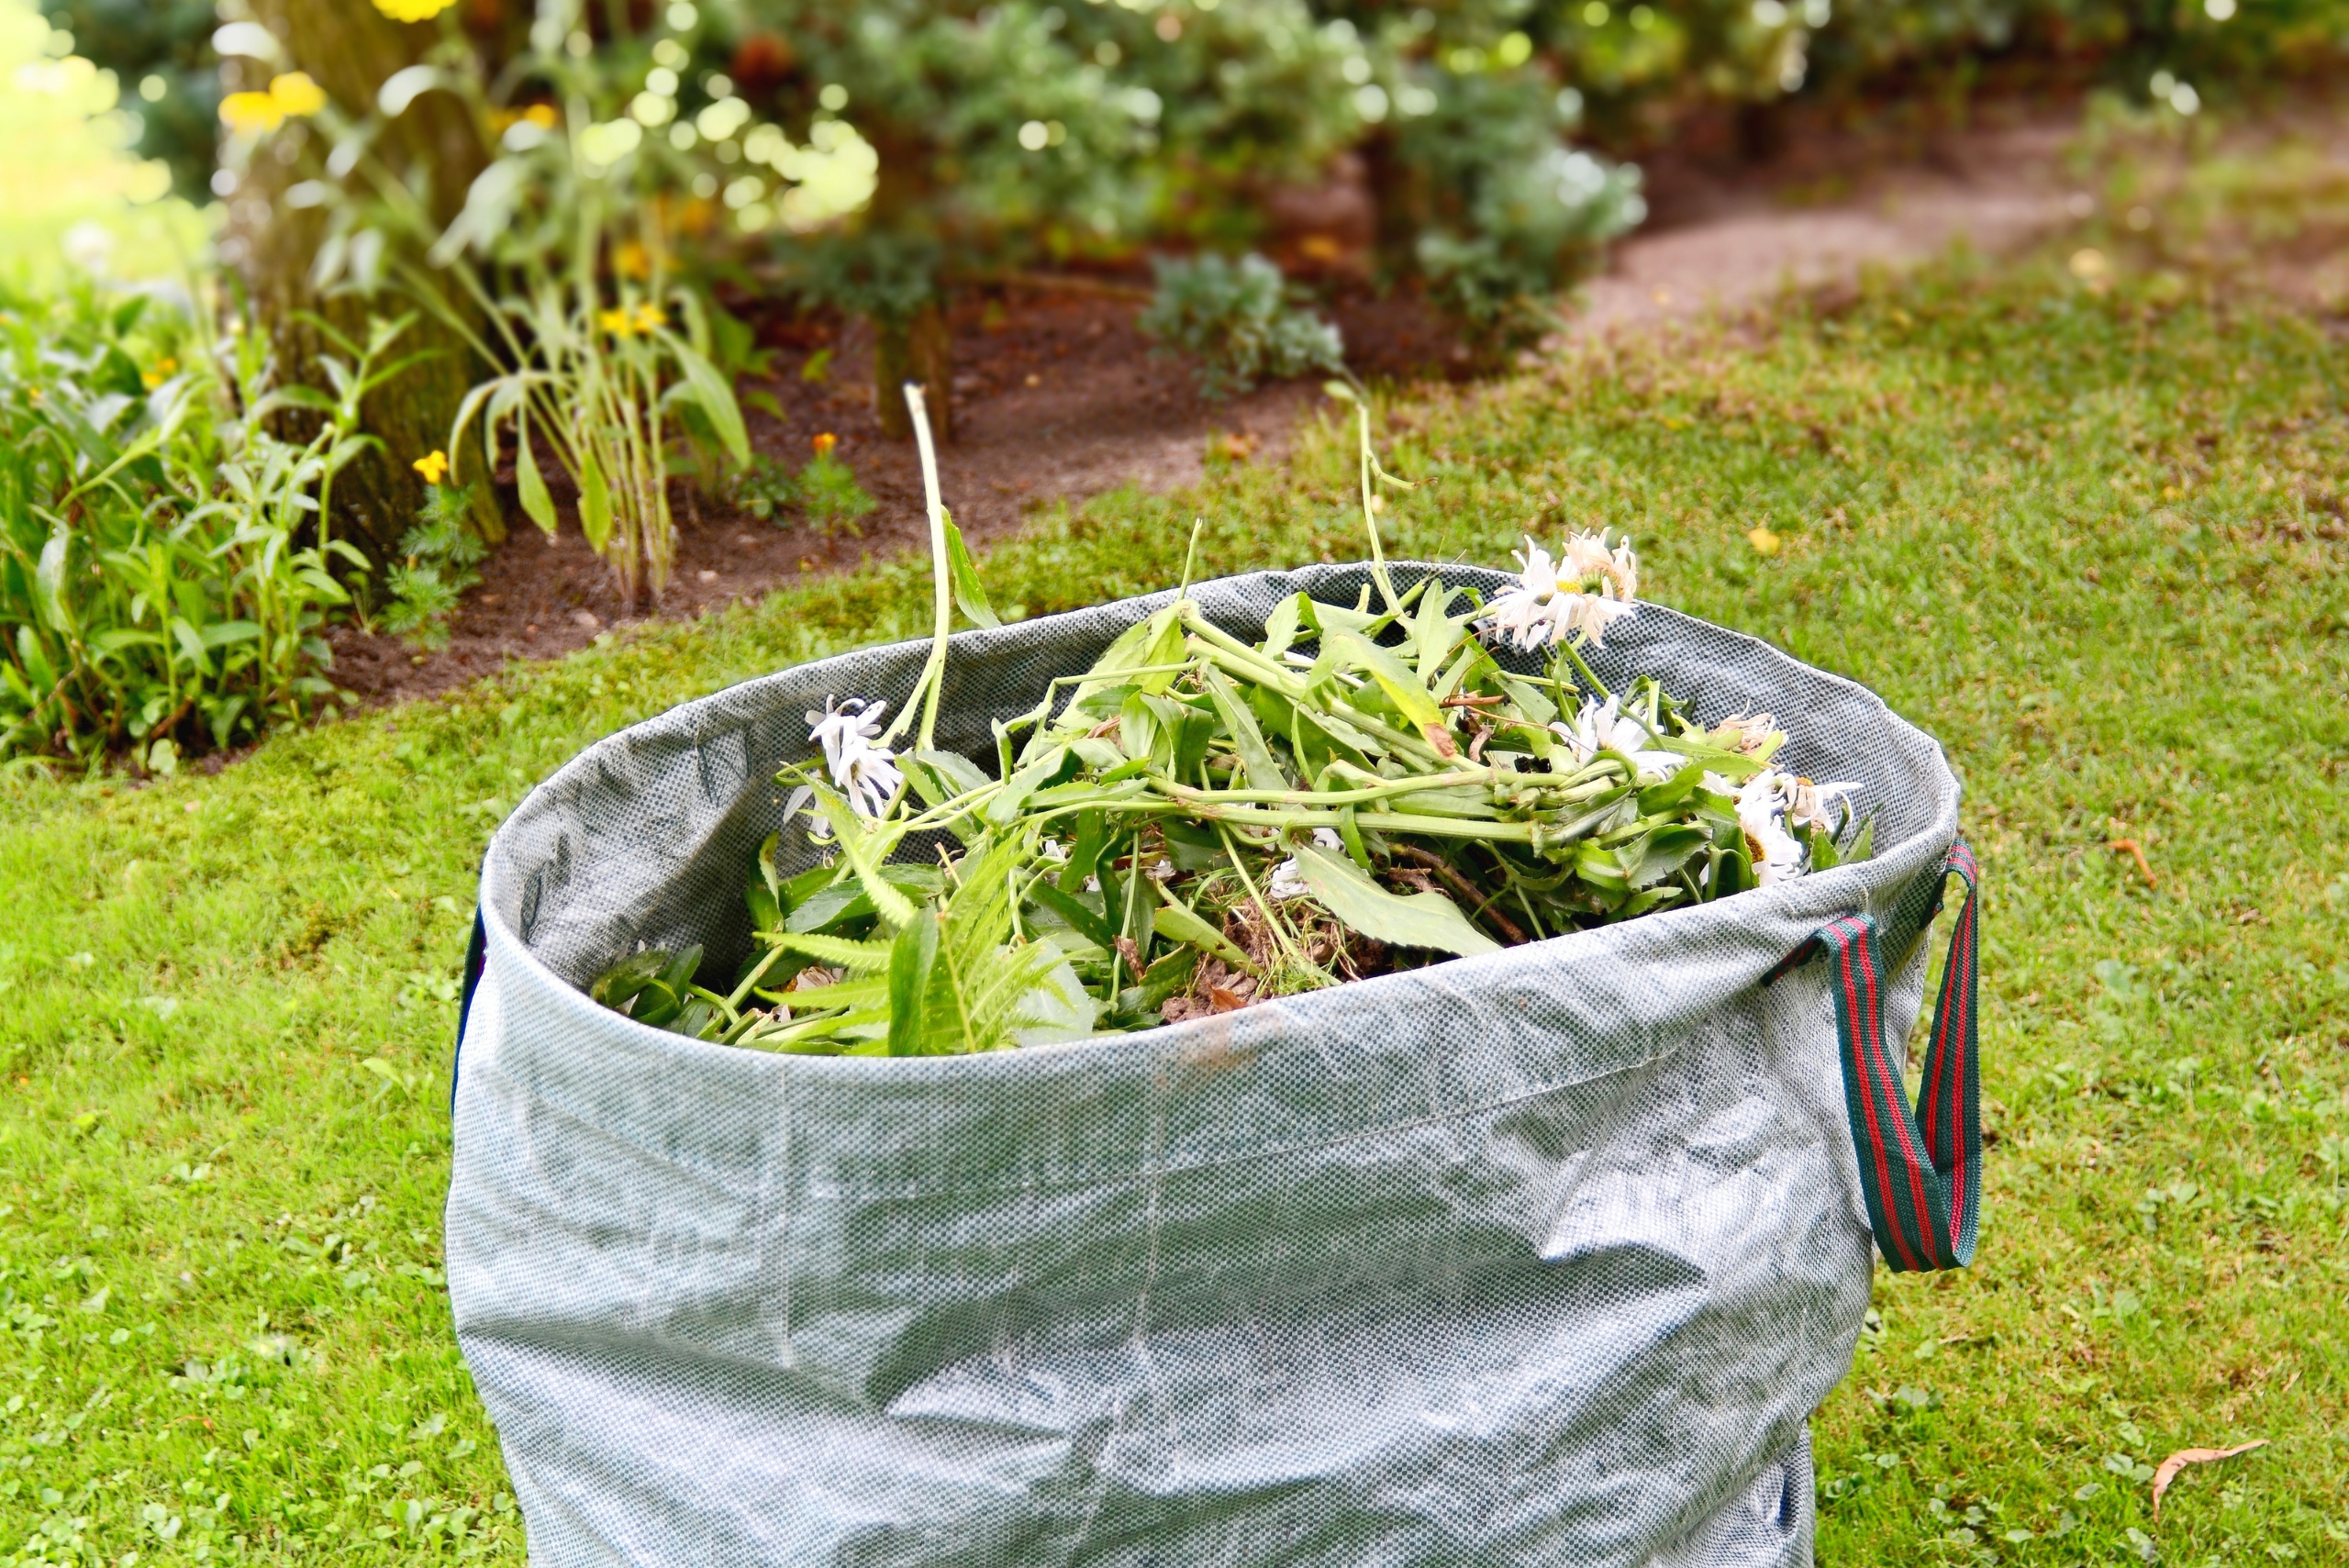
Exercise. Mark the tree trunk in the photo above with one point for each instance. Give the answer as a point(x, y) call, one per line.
point(1399, 206)
point(349, 50)
point(920, 350)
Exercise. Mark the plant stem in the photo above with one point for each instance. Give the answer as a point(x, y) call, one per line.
point(930, 687)
point(1370, 518)
point(742, 992)
point(1567, 647)
point(1363, 797)
point(1264, 906)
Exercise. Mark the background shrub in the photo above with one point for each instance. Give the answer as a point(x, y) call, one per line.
point(1241, 320)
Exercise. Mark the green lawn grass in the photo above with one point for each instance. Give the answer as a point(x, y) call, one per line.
point(2094, 545)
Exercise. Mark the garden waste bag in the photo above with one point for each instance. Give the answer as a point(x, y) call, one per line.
point(1541, 1257)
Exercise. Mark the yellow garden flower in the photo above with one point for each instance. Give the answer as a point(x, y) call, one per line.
point(432, 466)
point(413, 10)
point(824, 443)
point(291, 96)
point(252, 114)
point(539, 114)
point(627, 322)
point(297, 94)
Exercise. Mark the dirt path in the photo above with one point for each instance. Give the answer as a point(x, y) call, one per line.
point(1060, 398)
point(1997, 191)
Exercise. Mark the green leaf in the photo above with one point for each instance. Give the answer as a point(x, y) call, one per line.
point(465, 412)
point(1153, 640)
point(1281, 627)
point(48, 580)
point(1821, 844)
point(968, 594)
point(1667, 796)
point(716, 399)
point(595, 501)
point(1160, 980)
point(535, 503)
point(221, 633)
point(1058, 1011)
point(1080, 918)
point(1661, 853)
point(1426, 919)
point(866, 846)
point(1178, 924)
point(912, 958)
point(837, 952)
point(1393, 677)
point(1023, 783)
point(1255, 757)
point(1137, 728)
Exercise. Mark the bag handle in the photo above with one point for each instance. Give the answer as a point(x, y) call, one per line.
point(1921, 1174)
point(476, 959)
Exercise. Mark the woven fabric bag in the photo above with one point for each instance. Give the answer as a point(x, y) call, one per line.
point(1543, 1257)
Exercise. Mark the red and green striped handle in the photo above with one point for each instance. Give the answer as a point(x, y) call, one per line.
point(1922, 1172)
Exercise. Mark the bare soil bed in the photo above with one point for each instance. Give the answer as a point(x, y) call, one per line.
point(1059, 396)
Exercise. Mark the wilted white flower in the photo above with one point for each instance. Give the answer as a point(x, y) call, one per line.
point(1586, 591)
point(1772, 806)
point(1286, 882)
point(1807, 802)
point(1604, 727)
point(1755, 734)
point(861, 771)
point(1762, 811)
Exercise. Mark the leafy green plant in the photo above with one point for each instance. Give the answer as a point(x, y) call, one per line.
point(824, 491)
point(164, 586)
point(1242, 321)
point(556, 273)
point(1017, 133)
point(828, 492)
point(435, 565)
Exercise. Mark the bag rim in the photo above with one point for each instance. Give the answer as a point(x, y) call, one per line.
point(1773, 919)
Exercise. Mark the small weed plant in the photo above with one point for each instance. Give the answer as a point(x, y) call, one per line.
point(824, 492)
point(437, 563)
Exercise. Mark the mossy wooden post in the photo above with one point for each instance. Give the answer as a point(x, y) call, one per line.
point(348, 48)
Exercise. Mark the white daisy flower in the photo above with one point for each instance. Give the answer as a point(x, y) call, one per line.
point(865, 773)
point(1604, 727)
point(1585, 592)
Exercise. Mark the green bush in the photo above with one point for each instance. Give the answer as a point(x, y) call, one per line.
point(162, 585)
point(1240, 321)
point(1499, 212)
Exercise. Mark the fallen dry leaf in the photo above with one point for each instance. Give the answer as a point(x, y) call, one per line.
point(2136, 851)
point(2166, 1472)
